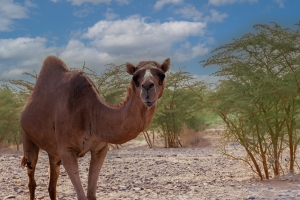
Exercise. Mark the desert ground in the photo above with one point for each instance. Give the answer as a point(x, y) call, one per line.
point(134, 171)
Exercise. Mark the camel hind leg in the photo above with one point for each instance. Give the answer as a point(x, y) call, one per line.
point(54, 174)
point(31, 153)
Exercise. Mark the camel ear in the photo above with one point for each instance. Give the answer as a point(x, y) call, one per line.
point(166, 65)
point(130, 68)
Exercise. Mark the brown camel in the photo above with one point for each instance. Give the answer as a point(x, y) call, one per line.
point(65, 116)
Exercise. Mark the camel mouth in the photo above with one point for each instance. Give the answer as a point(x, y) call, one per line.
point(149, 103)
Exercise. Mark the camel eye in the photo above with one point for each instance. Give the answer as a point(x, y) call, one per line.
point(161, 78)
point(135, 80)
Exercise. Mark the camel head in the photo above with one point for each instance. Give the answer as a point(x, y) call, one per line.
point(148, 80)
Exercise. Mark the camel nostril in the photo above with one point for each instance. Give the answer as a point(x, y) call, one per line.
point(148, 87)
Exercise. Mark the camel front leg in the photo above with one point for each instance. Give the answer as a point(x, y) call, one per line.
point(97, 159)
point(54, 162)
point(70, 163)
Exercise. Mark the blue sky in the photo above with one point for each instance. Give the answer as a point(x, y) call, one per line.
point(99, 32)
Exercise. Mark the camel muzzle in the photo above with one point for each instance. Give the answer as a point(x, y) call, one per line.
point(149, 104)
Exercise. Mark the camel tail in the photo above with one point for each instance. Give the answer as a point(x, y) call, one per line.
point(23, 162)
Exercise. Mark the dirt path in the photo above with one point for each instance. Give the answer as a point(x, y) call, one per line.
point(159, 173)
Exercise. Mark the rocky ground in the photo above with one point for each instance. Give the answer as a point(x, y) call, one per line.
point(137, 172)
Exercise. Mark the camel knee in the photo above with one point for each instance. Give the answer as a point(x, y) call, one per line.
point(32, 185)
point(23, 162)
point(26, 163)
point(29, 166)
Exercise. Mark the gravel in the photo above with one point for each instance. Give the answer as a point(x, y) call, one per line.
point(158, 173)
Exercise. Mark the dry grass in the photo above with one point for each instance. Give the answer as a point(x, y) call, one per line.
point(190, 138)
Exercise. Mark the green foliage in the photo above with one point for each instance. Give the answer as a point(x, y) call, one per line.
point(259, 97)
point(112, 83)
point(11, 103)
point(25, 86)
point(179, 107)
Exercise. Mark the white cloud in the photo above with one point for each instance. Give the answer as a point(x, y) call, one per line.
point(136, 27)
point(110, 15)
point(21, 48)
point(188, 52)
point(76, 53)
point(13, 73)
point(129, 40)
point(54, 1)
point(161, 3)
point(216, 16)
point(224, 2)
point(95, 2)
point(189, 12)
point(21, 54)
point(9, 11)
point(133, 40)
point(83, 11)
point(30, 4)
point(280, 3)
point(122, 2)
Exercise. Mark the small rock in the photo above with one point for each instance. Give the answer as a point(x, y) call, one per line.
point(251, 197)
point(123, 187)
point(9, 197)
point(136, 189)
point(282, 194)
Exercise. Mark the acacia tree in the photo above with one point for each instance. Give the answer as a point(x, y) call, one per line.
point(11, 103)
point(25, 87)
point(259, 98)
point(179, 107)
point(112, 83)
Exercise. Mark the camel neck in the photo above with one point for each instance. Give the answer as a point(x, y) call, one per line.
point(120, 124)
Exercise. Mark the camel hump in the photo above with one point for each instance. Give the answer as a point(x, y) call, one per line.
point(80, 87)
point(53, 65)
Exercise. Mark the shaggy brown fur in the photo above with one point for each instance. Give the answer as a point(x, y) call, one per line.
point(65, 116)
